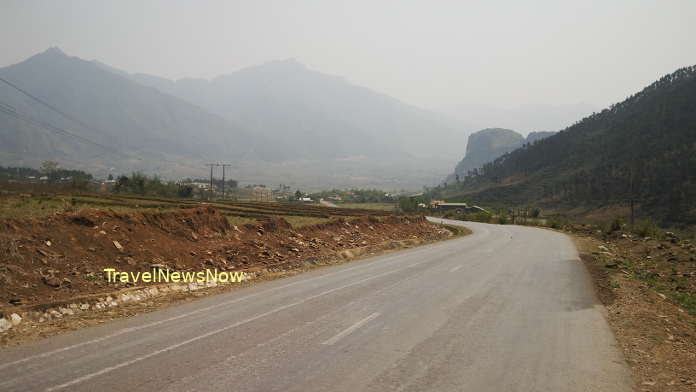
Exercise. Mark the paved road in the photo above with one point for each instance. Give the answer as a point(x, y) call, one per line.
point(505, 309)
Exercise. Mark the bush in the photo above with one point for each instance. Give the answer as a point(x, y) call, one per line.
point(646, 227)
point(482, 217)
point(616, 224)
point(557, 222)
point(535, 212)
point(503, 219)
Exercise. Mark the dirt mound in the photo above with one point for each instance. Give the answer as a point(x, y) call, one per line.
point(55, 258)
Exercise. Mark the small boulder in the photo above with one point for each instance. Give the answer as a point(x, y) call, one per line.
point(51, 281)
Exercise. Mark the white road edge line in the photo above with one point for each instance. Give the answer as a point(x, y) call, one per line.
point(456, 268)
point(155, 323)
point(351, 329)
point(219, 330)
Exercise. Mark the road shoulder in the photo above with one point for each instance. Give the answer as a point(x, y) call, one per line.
point(657, 337)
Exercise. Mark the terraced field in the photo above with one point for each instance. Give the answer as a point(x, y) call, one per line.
point(28, 205)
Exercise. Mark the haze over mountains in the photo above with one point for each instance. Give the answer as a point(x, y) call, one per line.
point(277, 123)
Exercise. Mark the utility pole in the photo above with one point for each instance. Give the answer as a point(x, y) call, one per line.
point(633, 217)
point(223, 178)
point(211, 176)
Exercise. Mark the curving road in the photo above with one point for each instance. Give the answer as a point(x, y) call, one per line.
point(507, 308)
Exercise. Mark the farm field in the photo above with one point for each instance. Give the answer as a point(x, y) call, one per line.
point(368, 206)
point(14, 205)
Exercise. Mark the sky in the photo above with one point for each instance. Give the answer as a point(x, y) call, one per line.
point(443, 55)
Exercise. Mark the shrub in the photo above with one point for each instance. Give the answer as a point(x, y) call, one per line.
point(616, 224)
point(503, 219)
point(557, 222)
point(646, 227)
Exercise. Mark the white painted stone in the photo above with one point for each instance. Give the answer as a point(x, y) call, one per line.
point(4, 324)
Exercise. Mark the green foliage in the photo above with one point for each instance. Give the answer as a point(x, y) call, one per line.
point(557, 222)
point(141, 184)
point(535, 212)
point(616, 224)
point(646, 227)
point(503, 219)
point(356, 195)
point(409, 204)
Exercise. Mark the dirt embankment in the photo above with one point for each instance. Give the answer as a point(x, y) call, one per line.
point(52, 260)
point(648, 287)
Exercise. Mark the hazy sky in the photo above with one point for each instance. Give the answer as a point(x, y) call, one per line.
point(429, 53)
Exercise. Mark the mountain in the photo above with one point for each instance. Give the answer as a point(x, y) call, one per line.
point(314, 116)
point(643, 148)
point(488, 144)
point(278, 122)
point(88, 117)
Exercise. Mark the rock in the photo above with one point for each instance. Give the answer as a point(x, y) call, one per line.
point(118, 245)
point(51, 281)
point(67, 282)
point(15, 319)
point(4, 324)
point(16, 301)
point(661, 295)
point(158, 266)
point(603, 248)
point(48, 243)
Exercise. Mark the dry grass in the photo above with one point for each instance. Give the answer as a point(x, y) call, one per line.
point(301, 221)
point(368, 206)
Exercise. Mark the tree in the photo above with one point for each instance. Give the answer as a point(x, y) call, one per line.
point(49, 166)
point(298, 194)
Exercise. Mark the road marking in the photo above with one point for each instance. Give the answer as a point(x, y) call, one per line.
point(456, 268)
point(219, 330)
point(156, 323)
point(351, 329)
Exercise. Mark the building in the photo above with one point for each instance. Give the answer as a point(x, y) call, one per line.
point(458, 207)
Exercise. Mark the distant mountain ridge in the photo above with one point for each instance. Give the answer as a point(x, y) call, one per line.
point(142, 128)
point(287, 102)
point(277, 123)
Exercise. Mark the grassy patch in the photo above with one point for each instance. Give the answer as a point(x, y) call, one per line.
point(368, 206)
point(239, 220)
point(301, 221)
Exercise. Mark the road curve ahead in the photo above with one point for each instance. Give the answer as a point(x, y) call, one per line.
point(507, 308)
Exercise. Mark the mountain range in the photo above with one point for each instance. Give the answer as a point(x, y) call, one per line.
point(278, 122)
point(642, 149)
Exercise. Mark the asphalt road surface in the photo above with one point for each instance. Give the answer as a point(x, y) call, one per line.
point(507, 308)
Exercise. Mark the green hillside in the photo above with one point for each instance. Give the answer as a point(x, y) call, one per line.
point(643, 148)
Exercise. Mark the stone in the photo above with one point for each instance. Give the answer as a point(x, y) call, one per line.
point(118, 245)
point(4, 324)
point(15, 319)
point(51, 281)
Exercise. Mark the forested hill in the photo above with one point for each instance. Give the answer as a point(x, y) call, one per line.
point(642, 148)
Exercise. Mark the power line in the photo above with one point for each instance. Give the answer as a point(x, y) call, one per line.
point(9, 110)
point(41, 101)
